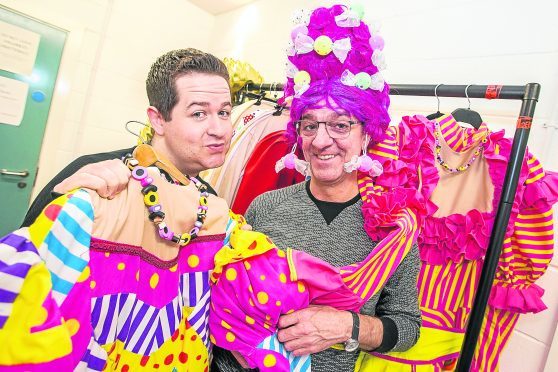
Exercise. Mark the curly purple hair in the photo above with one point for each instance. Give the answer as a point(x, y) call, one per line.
point(367, 105)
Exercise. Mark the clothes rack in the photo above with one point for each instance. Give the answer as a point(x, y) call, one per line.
point(529, 95)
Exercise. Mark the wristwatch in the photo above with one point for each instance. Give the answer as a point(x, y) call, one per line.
point(352, 343)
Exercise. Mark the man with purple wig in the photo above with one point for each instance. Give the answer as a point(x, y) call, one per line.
point(339, 106)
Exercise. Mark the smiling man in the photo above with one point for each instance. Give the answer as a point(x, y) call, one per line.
point(189, 110)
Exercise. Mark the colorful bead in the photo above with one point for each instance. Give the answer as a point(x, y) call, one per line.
point(146, 181)
point(139, 173)
point(156, 214)
point(363, 80)
point(165, 233)
point(148, 188)
point(463, 167)
point(323, 45)
point(157, 217)
point(155, 208)
point(302, 78)
point(151, 198)
point(185, 239)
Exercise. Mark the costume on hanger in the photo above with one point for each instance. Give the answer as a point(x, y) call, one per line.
point(256, 126)
point(253, 124)
point(259, 173)
point(460, 174)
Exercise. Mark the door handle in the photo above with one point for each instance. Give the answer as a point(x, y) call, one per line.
point(22, 174)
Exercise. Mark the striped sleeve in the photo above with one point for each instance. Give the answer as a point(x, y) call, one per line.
point(527, 253)
point(39, 265)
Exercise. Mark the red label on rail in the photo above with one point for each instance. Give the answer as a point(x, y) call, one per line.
point(524, 122)
point(493, 91)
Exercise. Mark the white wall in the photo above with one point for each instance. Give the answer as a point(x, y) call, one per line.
point(431, 42)
point(101, 82)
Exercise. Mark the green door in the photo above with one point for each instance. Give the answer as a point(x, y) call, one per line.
point(30, 53)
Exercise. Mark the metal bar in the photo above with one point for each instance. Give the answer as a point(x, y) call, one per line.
point(474, 91)
point(7, 172)
point(530, 98)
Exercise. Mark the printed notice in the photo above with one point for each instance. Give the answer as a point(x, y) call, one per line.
point(18, 49)
point(13, 97)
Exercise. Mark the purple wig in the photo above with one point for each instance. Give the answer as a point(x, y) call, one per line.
point(367, 105)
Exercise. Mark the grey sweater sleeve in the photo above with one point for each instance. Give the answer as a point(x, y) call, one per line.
point(399, 301)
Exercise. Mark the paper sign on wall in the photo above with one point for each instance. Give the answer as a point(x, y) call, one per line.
point(18, 49)
point(13, 97)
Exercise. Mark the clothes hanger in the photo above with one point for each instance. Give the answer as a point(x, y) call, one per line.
point(147, 156)
point(466, 115)
point(437, 114)
point(278, 107)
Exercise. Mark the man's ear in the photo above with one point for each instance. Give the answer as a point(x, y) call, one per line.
point(156, 119)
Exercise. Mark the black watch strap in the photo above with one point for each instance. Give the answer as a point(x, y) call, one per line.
point(356, 326)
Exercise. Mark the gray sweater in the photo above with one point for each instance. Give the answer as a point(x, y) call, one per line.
point(291, 219)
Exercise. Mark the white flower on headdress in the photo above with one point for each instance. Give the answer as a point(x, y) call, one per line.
point(301, 17)
point(377, 82)
point(303, 44)
point(300, 89)
point(374, 27)
point(340, 48)
point(362, 80)
point(291, 51)
point(349, 18)
point(379, 60)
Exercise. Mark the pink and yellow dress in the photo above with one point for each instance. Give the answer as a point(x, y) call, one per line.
point(459, 215)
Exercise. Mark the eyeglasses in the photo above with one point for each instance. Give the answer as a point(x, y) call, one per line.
point(335, 128)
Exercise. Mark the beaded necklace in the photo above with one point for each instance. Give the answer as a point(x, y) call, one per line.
point(156, 214)
point(442, 162)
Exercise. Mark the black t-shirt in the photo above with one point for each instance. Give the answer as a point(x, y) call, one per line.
point(47, 195)
point(330, 210)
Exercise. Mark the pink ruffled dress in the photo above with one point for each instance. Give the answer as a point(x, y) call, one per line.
point(459, 212)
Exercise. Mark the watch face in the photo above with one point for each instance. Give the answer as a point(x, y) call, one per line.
point(351, 345)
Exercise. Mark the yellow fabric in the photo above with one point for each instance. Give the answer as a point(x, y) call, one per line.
point(431, 344)
point(19, 343)
point(184, 341)
point(243, 247)
point(146, 133)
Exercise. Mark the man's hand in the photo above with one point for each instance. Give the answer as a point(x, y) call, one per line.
point(108, 178)
point(314, 329)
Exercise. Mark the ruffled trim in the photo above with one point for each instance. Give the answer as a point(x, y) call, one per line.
point(382, 210)
point(518, 300)
point(542, 194)
point(455, 237)
point(406, 189)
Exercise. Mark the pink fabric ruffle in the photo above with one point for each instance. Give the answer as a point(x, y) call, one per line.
point(382, 210)
point(401, 178)
point(542, 194)
point(455, 237)
point(519, 300)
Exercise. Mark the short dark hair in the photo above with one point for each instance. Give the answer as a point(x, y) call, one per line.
point(160, 83)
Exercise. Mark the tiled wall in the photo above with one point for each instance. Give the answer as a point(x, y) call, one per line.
point(431, 42)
